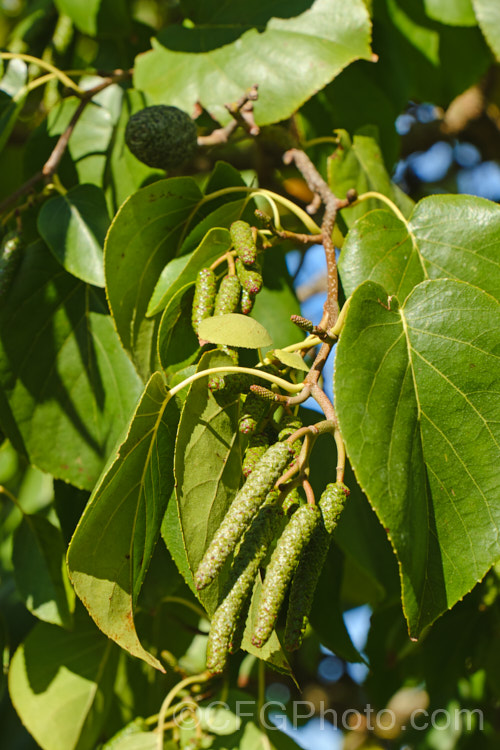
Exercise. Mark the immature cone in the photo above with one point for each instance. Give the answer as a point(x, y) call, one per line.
point(311, 564)
point(241, 511)
point(228, 296)
point(161, 136)
point(204, 297)
point(243, 242)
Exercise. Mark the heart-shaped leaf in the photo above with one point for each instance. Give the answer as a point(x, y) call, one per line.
point(417, 395)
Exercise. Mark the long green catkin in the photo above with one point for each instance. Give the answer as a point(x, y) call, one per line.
point(243, 242)
point(310, 565)
point(242, 510)
point(228, 296)
point(204, 297)
point(281, 568)
point(227, 616)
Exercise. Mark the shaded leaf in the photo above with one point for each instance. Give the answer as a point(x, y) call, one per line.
point(416, 392)
point(455, 236)
point(39, 561)
point(74, 226)
point(141, 241)
point(234, 329)
point(178, 345)
point(12, 97)
point(207, 468)
point(68, 383)
point(291, 59)
point(183, 270)
point(82, 13)
point(452, 12)
point(61, 684)
point(115, 538)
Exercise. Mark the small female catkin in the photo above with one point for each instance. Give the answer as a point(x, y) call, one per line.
point(310, 565)
point(281, 568)
point(249, 276)
point(227, 620)
point(228, 296)
point(204, 297)
point(243, 242)
point(242, 510)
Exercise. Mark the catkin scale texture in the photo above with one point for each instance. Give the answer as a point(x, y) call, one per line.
point(310, 565)
point(204, 297)
point(250, 278)
point(243, 242)
point(254, 410)
point(228, 296)
point(242, 510)
point(226, 621)
point(281, 568)
point(246, 302)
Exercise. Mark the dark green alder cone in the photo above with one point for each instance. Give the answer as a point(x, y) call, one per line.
point(250, 277)
point(282, 565)
point(228, 296)
point(161, 136)
point(225, 627)
point(311, 564)
point(243, 242)
point(10, 257)
point(241, 511)
point(204, 297)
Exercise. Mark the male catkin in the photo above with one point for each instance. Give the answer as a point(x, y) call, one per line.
point(204, 297)
point(281, 568)
point(243, 242)
point(228, 296)
point(226, 619)
point(310, 565)
point(242, 510)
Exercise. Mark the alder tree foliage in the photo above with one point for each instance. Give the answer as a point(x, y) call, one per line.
point(179, 528)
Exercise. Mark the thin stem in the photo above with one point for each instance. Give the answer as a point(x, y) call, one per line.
point(66, 80)
point(290, 387)
point(308, 343)
point(12, 498)
point(203, 677)
point(372, 194)
point(311, 500)
point(341, 458)
point(323, 139)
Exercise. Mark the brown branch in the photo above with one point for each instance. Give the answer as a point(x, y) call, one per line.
point(52, 163)
point(324, 195)
point(242, 114)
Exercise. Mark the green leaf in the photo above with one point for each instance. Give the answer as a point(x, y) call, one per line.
point(207, 468)
point(488, 16)
point(115, 539)
point(359, 165)
point(234, 330)
point(61, 684)
point(38, 556)
point(452, 12)
point(416, 393)
point(142, 239)
point(290, 359)
point(82, 13)
point(69, 384)
point(455, 236)
point(178, 345)
point(183, 270)
point(234, 208)
point(291, 59)
point(74, 226)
